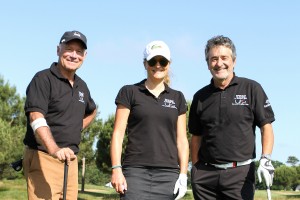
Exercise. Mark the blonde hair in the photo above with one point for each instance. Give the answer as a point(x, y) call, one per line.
point(167, 79)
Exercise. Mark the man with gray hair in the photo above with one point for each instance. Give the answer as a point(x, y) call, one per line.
point(222, 119)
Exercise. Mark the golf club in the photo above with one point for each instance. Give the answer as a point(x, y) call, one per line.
point(65, 180)
point(269, 193)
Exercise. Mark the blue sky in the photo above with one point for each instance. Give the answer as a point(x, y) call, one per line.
point(266, 35)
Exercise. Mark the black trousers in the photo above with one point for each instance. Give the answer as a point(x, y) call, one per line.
point(144, 183)
point(211, 183)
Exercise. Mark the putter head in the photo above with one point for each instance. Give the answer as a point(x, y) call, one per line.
point(17, 165)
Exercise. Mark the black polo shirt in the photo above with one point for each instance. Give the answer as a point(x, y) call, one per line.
point(226, 120)
point(152, 125)
point(63, 106)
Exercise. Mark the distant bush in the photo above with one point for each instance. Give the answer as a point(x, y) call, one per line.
point(94, 176)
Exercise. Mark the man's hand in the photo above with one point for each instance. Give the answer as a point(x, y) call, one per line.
point(267, 170)
point(180, 186)
point(63, 154)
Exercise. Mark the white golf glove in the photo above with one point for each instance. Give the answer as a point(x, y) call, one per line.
point(267, 170)
point(180, 186)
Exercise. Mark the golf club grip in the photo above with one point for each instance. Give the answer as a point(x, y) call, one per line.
point(65, 180)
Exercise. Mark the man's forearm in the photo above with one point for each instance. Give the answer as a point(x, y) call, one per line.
point(267, 139)
point(44, 137)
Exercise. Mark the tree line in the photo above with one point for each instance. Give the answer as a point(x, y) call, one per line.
point(94, 147)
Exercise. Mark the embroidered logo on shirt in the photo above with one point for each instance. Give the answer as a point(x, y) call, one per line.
point(81, 96)
point(240, 100)
point(169, 103)
point(267, 104)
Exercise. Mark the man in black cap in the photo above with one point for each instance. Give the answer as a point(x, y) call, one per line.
point(58, 107)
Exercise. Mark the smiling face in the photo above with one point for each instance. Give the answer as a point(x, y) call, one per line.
point(159, 70)
point(221, 65)
point(71, 56)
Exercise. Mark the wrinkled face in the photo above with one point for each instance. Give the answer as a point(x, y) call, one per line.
point(157, 67)
point(71, 55)
point(220, 63)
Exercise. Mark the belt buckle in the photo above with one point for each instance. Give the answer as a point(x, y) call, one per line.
point(234, 164)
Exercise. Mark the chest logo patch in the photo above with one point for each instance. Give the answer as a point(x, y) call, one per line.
point(240, 100)
point(81, 96)
point(169, 103)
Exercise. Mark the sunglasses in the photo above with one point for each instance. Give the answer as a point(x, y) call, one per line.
point(162, 62)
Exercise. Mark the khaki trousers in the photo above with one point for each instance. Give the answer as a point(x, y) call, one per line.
point(45, 175)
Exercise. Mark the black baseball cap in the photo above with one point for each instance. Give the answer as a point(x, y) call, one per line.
point(73, 35)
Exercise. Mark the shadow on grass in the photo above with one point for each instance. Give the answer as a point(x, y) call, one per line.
point(293, 196)
point(3, 189)
point(95, 194)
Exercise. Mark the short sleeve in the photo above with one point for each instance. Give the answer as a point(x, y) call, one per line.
point(91, 105)
point(262, 107)
point(124, 96)
point(182, 104)
point(37, 95)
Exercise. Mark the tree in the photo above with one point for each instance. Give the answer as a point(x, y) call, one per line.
point(285, 177)
point(297, 182)
point(11, 105)
point(87, 142)
point(292, 160)
point(276, 163)
point(12, 123)
point(103, 145)
point(89, 136)
point(189, 135)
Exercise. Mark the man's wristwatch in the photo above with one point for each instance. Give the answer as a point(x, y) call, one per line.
point(267, 156)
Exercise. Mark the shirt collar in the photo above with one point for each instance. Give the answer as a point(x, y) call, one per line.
point(142, 86)
point(234, 81)
point(54, 69)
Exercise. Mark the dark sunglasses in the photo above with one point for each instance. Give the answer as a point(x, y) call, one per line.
point(162, 62)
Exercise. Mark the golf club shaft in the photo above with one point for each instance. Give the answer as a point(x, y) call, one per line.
point(65, 180)
point(269, 194)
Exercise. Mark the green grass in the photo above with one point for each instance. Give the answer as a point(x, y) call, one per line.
point(16, 190)
point(13, 190)
point(277, 195)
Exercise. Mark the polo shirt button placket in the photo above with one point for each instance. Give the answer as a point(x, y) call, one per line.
point(223, 106)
